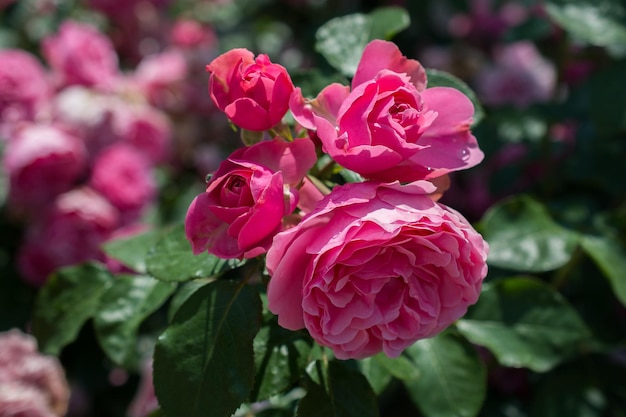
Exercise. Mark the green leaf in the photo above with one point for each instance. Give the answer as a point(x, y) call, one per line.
point(347, 394)
point(132, 251)
point(316, 402)
point(173, 260)
point(598, 22)
point(377, 375)
point(386, 22)
point(123, 307)
point(280, 356)
point(608, 100)
point(203, 362)
point(452, 381)
point(610, 256)
point(184, 292)
point(594, 387)
point(69, 298)
point(437, 78)
point(341, 40)
point(524, 323)
point(523, 237)
point(400, 367)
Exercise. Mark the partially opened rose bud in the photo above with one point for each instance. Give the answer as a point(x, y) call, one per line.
point(253, 92)
point(245, 202)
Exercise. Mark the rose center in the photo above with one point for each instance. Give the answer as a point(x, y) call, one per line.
point(236, 183)
point(404, 114)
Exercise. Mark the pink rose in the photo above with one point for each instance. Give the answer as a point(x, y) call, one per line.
point(42, 161)
point(162, 77)
point(374, 268)
point(247, 197)
point(390, 126)
point(69, 233)
point(254, 93)
point(519, 76)
point(30, 383)
point(188, 33)
point(81, 55)
point(146, 129)
point(24, 86)
point(122, 175)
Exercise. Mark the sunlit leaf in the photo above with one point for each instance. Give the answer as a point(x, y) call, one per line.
point(341, 40)
point(173, 260)
point(69, 298)
point(523, 237)
point(123, 307)
point(452, 381)
point(524, 323)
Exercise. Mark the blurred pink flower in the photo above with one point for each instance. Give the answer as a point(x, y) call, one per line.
point(24, 86)
point(31, 384)
point(187, 33)
point(79, 54)
point(69, 233)
point(41, 162)
point(147, 130)
point(145, 400)
point(162, 78)
point(519, 76)
point(123, 176)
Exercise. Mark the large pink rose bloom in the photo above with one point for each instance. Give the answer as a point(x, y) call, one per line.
point(71, 232)
point(254, 93)
point(80, 55)
point(390, 126)
point(374, 268)
point(24, 86)
point(41, 162)
point(247, 197)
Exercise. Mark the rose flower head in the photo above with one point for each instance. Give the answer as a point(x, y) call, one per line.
point(80, 55)
point(375, 267)
point(253, 92)
point(71, 231)
point(389, 126)
point(42, 161)
point(247, 197)
point(24, 86)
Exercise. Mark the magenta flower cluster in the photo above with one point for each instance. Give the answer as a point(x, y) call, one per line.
point(81, 141)
point(364, 267)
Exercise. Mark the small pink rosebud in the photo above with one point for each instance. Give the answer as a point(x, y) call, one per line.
point(253, 92)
